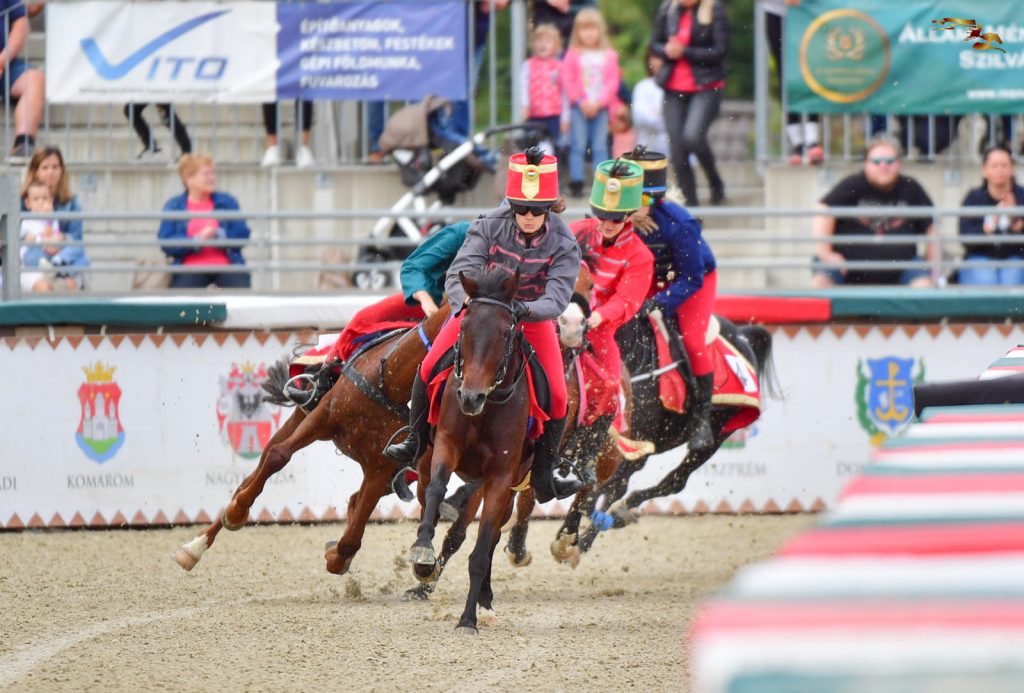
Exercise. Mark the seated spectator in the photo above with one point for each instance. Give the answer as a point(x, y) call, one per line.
point(648, 109)
point(47, 166)
point(38, 198)
point(169, 117)
point(878, 185)
point(20, 83)
point(304, 116)
point(200, 195)
point(998, 189)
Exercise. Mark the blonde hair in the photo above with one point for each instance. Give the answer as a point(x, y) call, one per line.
point(589, 16)
point(34, 183)
point(706, 11)
point(188, 164)
point(61, 191)
point(549, 30)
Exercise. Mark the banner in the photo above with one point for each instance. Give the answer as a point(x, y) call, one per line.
point(913, 57)
point(255, 52)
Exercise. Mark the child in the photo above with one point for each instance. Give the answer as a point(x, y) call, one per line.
point(540, 85)
point(590, 75)
point(39, 199)
point(649, 109)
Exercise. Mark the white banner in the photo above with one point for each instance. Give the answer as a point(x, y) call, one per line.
point(153, 429)
point(143, 52)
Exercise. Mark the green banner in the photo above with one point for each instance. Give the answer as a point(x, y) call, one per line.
point(905, 56)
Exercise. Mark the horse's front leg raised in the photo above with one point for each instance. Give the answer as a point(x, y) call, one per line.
point(453, 541)
point(376, 484)
point(515, 549)
point(498, 501)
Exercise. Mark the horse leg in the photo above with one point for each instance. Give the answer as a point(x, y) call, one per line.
point(298, 432)
point(376, 484)
point(498, 500)
point(674, 482)
point(515, 549)
point(422, 552)
point(612, 490)
point(453, 540)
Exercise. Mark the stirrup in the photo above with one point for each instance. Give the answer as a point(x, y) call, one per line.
point(399, 485)
point(399, 451)
point(302, 396)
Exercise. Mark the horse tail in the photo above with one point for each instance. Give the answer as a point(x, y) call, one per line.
point(277, 376)
point(760, 341)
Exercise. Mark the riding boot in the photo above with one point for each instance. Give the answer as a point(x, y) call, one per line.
point(701, 436)
point(545, 458)
point(410, 449)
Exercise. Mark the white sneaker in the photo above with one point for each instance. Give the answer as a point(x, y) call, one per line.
point(271, 157)
point(304, 157)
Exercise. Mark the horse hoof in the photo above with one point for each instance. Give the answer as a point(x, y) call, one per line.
point(561, 546)
point(189, 553)
point(330, 545)
point(336, 565)
point(622, 514)
point(448, 511)
point(572, 558)
point(466, 630)
point(232, 526)
point(417, 594)
point(422, 555)
point(519, 561)
point(426, 574)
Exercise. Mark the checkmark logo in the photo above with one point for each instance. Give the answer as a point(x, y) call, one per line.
point(116, 71)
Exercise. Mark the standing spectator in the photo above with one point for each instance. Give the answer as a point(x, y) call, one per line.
point(590, 74)
point(543, 99)
point(649, 109)
point(200, 180)
point(692, 36)
point(47, 166)
point(26, 85)
point(303, 116)
point(878, 185)
point(560, 13)
point(998, 189)
point(38, 198)
point(169, 117)
point(803, 137)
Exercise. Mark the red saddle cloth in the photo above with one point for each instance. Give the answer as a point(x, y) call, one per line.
point(599, 391)
point(328, 346)
point(735, 382)
point(435, 388)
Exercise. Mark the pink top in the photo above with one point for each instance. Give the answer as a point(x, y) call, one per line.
point(544, 87)
point(572, 77)
point(203, 256)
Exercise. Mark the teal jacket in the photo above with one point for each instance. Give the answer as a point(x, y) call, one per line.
point(425, 269)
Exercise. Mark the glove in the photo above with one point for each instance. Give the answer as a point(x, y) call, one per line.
point(520, 310)
point(649, 306)
point(643, 223)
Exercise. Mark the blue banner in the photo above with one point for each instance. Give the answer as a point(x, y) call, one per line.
point(372, 51)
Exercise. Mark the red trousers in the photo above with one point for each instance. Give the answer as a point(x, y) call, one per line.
point(541, 336)
point(387, 313)
point(606, 349)
point(694, 315)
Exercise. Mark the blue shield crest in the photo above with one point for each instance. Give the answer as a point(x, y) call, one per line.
point(890, 393)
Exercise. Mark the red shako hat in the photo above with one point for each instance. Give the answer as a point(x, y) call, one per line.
point(532, 178)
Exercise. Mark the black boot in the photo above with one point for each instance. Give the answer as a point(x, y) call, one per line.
point(409, 450)
point(545, 458)
point(701, 436)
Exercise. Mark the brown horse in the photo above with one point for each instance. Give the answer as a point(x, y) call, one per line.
point(481, 430)
point(359, 414)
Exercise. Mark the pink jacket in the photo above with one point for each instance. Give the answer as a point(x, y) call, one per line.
point(572, 77)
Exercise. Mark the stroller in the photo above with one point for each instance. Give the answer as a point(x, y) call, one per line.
point(431, 160)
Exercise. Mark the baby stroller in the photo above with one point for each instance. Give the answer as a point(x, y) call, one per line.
point(431, 160)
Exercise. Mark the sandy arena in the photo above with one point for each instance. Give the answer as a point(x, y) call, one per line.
point(87, 610)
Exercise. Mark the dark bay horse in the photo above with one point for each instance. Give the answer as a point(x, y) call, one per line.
point(665, 428)
point(359, 414)
point(481, 430)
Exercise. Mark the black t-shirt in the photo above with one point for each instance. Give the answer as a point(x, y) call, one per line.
point(855, 191)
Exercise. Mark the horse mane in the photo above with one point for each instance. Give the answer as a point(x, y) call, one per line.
point(490, 283)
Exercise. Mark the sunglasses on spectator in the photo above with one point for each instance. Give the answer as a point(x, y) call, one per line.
point(880, 160)
point(527, 210)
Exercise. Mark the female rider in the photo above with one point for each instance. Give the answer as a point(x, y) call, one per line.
point(684, 280)
point(525, 237)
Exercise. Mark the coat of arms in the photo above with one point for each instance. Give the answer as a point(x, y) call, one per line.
point(100, 433)
point(246, 422)
point(885, 395)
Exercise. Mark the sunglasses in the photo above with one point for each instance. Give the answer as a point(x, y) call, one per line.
point(526, 210)
point(883, 160)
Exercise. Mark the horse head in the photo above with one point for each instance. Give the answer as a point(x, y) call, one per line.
point(572, 323)
point(486, 337)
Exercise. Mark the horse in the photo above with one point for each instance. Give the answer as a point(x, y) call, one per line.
point(481, 430)
point(360, 413)
point(665, 428)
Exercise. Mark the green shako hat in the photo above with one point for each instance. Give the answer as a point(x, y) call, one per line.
point(617, 190)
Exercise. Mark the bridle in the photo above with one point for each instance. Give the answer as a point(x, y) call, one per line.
point(510, 344)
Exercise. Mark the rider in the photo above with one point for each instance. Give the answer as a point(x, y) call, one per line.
point(684, 280)
point(620, 263)
point(525, 236)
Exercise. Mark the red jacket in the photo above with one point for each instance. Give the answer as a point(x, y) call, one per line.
point(622, 271)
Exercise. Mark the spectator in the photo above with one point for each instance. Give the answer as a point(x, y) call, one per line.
point(47, 166)
point(649, 109)
point(303, 116)
point(169, 117)
point(38, 198)
point(803, 137)
point(692, 36)
point(590, 74)
point(200, 180)
point(481, 27)
point(544, 102)
point(878, 185)
point(560, 13)
point(998, 189)
point(26, 85)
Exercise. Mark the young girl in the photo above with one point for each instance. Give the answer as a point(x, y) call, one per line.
point(39, 199)
point(541, 86)
point(590, 75)
point(649, 109)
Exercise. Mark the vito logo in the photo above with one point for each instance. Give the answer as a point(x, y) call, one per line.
point(206, 68)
